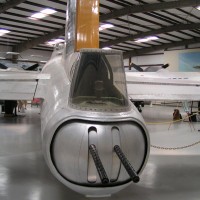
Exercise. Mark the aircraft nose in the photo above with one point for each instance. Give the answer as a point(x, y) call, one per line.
point(98, 154)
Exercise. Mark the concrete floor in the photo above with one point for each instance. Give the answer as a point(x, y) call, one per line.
point(168, 175)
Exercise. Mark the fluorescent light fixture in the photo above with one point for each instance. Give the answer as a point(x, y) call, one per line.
point(106, 48)
point(48, 11)
point(147, 39)
point(142, 40)
point(59, 40)
point(56, 41)
point(198, 8)
point(3, 31)
point(42, 14)
point(153, 38)
point(37, 16)
point(105, 26)
point(51, 43)
point(43, 61)
point(32, 18)
point(12, 53)
point(2, 58)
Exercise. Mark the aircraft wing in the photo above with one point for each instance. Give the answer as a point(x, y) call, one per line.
point(163, 86)
point(15, 85)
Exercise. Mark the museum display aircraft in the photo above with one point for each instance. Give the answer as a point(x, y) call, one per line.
point(140, 103)
point(94, 139)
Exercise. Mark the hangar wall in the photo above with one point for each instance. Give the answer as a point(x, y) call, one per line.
point(170, 56)
point(4, 49)
point(173, 58)
point(34, 54)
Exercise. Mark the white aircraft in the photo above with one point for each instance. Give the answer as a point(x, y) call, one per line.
point(135, 68)
point(94, 140)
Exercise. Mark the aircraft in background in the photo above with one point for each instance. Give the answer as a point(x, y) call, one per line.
point(29, 68)
point(94, 140)
point(163, 68)
point(148, 69)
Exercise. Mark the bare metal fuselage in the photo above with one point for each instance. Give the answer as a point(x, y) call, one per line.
point(67, 133)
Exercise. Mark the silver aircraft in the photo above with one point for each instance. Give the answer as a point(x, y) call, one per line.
point(94, 139)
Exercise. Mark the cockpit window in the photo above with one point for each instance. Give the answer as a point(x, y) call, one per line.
point(99, 82)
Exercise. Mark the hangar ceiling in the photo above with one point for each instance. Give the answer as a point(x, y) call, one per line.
point(162, 24)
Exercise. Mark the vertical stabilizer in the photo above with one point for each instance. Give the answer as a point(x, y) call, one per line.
point(82, 29)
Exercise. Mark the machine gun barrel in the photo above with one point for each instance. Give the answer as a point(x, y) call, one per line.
point(101, 171)
point(127, 165)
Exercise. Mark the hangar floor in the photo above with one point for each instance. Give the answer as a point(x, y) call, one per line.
point(169, 174)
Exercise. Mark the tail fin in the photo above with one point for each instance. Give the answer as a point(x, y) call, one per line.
point(138, 68)
point(82, 26)
point(165, 66)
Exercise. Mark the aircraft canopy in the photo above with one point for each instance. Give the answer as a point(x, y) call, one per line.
point(99, 81)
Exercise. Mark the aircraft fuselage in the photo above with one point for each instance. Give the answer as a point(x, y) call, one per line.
point(88, 123)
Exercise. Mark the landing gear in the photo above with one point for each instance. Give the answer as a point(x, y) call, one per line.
point(138, 104)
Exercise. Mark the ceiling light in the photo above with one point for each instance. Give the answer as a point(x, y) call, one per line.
point(142, 40)
point(2, 58)
point(42, 14)
point(105, 26)
point(48, 11)
point(59, 40)
point(106, 48)
point(51, 43)
point(147, 39)
point(198, 8)
point(32, 18)
point(56, 41)
point(153, 38)
point(12, 53)
point(37, 16)
point(43, 61)
point(3, 31)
